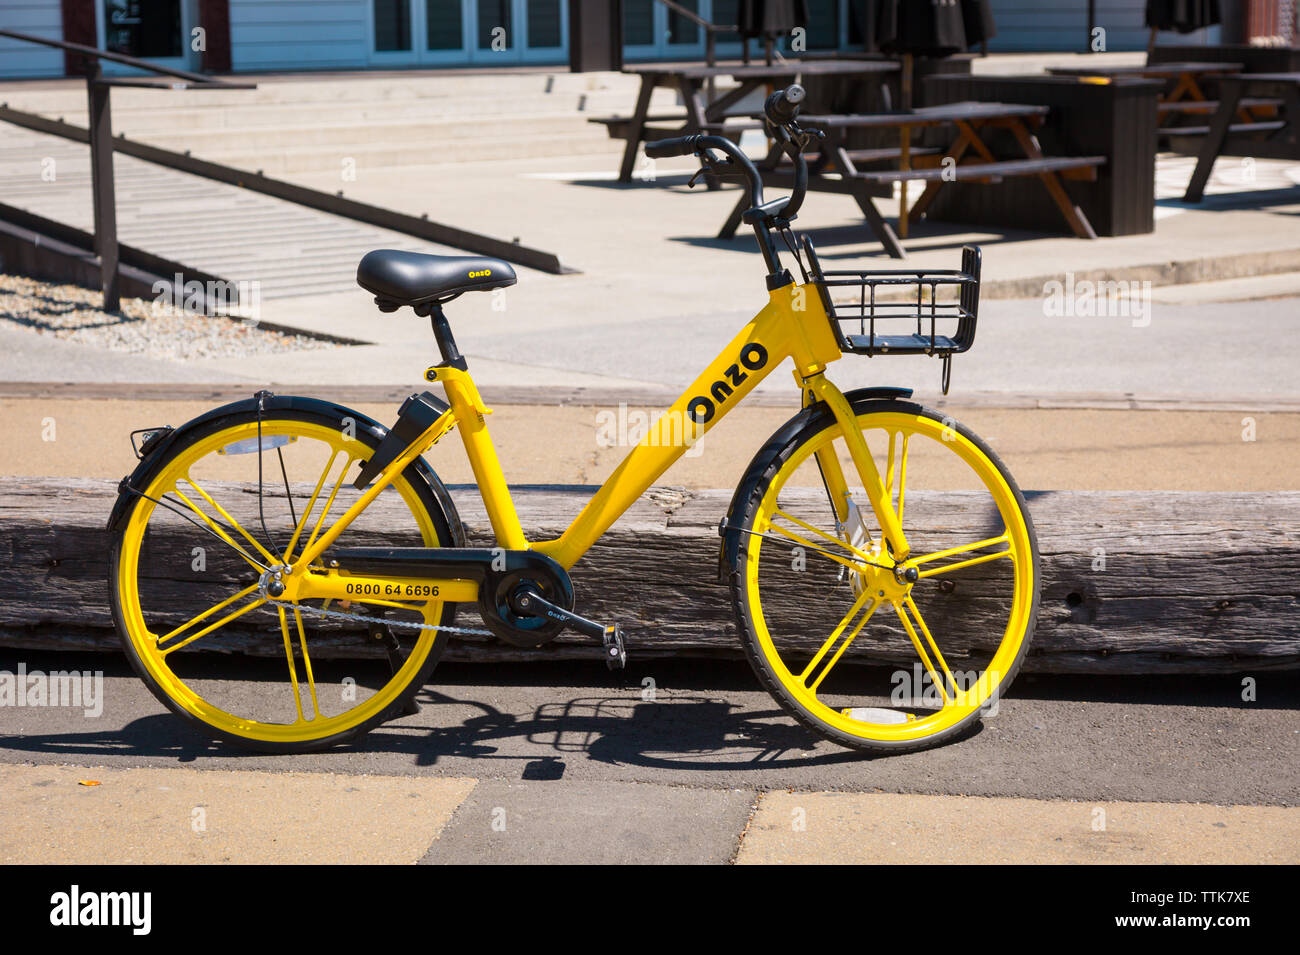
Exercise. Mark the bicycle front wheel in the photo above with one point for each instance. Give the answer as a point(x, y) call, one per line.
point(236, 496)
point(874, 650)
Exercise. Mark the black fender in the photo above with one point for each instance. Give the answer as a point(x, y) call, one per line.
point(152, 461)
point(728, 555)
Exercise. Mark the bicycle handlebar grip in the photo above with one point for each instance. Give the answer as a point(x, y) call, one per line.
point(678, 146)
point(783, 105)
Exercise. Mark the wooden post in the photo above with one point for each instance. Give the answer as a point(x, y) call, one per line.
point(103, 197)
point(905, 157)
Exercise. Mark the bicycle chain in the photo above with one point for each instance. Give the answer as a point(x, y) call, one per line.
point(362, 618)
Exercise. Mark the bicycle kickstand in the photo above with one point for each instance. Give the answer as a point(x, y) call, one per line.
point(382, 633)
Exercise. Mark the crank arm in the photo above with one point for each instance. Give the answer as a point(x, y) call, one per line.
point(528, 601)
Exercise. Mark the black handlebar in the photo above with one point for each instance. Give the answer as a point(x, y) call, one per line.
point(783, 106)
point(781, 109)
point(680, 146)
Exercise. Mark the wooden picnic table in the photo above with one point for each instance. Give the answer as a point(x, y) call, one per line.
point(1275, 139)
point(1184, 95)
point(837, 167)
point(703, 110)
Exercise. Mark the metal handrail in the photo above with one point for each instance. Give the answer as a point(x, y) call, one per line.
point(99, 130)
point(711, 30)
point(197, 78)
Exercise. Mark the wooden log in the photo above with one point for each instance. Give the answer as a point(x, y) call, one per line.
point(1133, 582)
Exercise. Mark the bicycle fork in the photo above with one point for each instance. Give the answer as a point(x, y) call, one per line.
point(815, 388)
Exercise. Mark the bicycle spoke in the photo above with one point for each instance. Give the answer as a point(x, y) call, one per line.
point(311, 505)
point(920, 651)
point(293, 670)
point(938, 656)
point(216, 529)
point(306, 662)
point(329, 502)
point(982, 559)
point(964, 549)
point(216, 626)
point(835, 635)
point(270, 558)
point(902, 475)
point(206, 614)
point(829, 538)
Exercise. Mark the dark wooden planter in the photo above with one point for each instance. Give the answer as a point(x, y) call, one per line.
point(1117, 120)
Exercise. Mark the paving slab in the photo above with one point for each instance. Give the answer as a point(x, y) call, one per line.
point(835, 828)
point(77, 815)
point(601, 823)
point(707, 723)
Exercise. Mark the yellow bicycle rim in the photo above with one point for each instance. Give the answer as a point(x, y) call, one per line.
point(958, 702)
point(311, 724)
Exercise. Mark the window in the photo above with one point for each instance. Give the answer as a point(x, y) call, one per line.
point(442, 25)
point(544, 24)
point(143, 28)
point(392, 25)
point(638, 22)
point(823, 24)
point(494, 24)
point(683, 29)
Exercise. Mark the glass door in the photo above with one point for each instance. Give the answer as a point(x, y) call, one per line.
point(153, 30)
point(444, 31)
point(519, 31)
point(393, 33)
point(651, 31)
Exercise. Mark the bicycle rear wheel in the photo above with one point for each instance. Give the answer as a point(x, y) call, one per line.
point(868, 651)
point(184, 581)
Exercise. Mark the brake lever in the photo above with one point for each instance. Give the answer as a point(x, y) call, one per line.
point(713, 167)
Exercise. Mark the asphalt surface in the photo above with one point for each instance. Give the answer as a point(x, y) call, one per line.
point(708, 726)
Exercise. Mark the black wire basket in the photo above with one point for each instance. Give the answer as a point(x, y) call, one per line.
point(901, 311)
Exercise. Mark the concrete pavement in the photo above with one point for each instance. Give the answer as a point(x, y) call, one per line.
point(570, 764)
point(564, 763)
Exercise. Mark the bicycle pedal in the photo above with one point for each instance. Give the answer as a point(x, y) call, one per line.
point(615, 651)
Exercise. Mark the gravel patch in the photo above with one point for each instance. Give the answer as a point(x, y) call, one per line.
point(72, 313)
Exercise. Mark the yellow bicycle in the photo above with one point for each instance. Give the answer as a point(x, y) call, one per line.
point(298, 528)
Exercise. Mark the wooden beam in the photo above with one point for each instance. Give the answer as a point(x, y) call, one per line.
point(1192, 582)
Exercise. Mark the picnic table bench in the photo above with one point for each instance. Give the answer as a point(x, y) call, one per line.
point(837, 168)
point(702, 109)
point(1277, 139)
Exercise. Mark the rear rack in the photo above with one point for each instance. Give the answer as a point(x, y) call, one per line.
point(902, 311)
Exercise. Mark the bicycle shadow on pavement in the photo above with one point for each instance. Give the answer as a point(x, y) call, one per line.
point(685, 732)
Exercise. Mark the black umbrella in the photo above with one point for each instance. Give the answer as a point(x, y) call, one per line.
point(928, 28)
point(1182, 16)
point(921, 28)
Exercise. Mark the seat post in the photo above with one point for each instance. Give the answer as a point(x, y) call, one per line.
point(446, 343)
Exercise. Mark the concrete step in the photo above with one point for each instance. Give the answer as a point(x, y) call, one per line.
point(451, 91)
point(185, 111)
point(1253, 288)
point(313, 159)
point(403, 132)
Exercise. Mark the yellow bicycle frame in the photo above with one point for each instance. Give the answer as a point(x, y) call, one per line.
point(793, 325)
